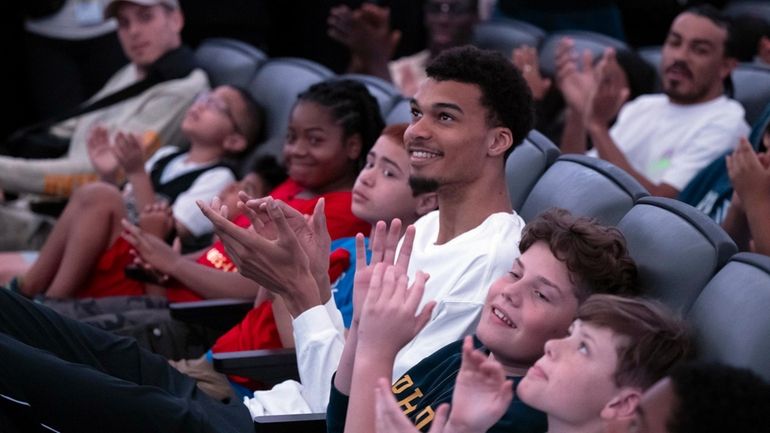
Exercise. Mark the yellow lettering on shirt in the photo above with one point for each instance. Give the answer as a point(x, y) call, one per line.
point(402, 384)
point(424, 417)
point(406, 404)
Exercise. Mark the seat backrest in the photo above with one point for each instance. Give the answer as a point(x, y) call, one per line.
point(275, 87)
point(386, 94)
point(229, 61)
point(731, 316)
point(652, 55)
point(526, 164)
point(677, 249)
point(401, 112)
point(503, 35)
point(584, 186)
point(752, 89)
point(756, 8)
point(595, 42)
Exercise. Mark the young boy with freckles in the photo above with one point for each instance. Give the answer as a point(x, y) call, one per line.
point(591, 379)
point(564, 260)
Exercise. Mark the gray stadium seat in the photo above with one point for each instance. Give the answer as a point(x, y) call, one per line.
point(759, 9)
point(386, 94)
point(677, 249)
point(401, 112)
point(652, 55)
point(584, 186)
point(275, 87)
point(595, 42)
point(526, 164)
point(731, 316)
point(752, 89)
point(229, 61)
point(503, 35)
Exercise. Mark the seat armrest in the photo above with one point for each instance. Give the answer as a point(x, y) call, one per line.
point(306, 423)
point(268, 366)
point(214, 313)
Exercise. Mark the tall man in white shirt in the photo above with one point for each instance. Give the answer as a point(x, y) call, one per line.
point(662, 140)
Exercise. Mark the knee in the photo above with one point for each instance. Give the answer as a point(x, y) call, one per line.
point(97, 194)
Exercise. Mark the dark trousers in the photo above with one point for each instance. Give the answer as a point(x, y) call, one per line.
point(74, 377)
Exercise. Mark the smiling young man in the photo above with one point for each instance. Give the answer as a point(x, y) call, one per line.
point(150, 35)
point(467, 116)
point(662, 140)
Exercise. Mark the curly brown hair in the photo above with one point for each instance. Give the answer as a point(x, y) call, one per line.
point(596, 255)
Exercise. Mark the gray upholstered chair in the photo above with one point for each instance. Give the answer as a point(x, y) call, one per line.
point(584, 186)
point(229, 61)
point(677, 249)
point(386, 94)
point(275, 86)
point(731, 316)
point(503, 35)
point(751, 85)
point(401, 112)
point(524, 166)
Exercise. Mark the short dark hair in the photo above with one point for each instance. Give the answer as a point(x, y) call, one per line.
point(654, 339)
point(716, 398)
point(596, 255)
point(720, 20)
point(352, 107)
point(270, 171)
point(504, 92)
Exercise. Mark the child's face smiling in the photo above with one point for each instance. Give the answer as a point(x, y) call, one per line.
point(528, 306)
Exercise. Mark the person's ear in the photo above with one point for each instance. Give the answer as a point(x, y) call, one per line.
point(234, 144)
point(353, 147)
point(177, 20)
point(623, 404)
point(501, 141)
point(426, 202)
point(728, 64)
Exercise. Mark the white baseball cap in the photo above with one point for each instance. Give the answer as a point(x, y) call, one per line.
point(112, 5)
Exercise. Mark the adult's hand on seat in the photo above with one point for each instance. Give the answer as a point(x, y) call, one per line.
point(574, 77)
point(609, 95)
point(101, 154)
point(280, 265)
point(391, 419)
point(526, 61)
point(482, 393)
point(389, 318)
point(367, 34)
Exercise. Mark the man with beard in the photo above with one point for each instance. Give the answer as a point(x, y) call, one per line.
point(662, 140)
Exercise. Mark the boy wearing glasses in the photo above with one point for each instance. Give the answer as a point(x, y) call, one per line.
point(85, 254)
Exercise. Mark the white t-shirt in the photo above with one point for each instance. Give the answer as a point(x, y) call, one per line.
point(461, 272)
point(205, 187)
point(671, 143)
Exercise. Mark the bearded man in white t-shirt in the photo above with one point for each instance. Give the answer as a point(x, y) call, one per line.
point(662, 140)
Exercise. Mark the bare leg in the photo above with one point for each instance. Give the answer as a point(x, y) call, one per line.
point(11, 265)
point(89, 225)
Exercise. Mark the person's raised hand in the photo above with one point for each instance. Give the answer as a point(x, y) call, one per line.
point(749, 174)
point(525, 58)
point(610, 93)
point(390, 317)
point(101, 153)
point(482, 393)
point(574, 75)
point(128, 151)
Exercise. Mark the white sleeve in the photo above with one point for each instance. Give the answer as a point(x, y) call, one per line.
point(205, 187)
point(319, 344)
